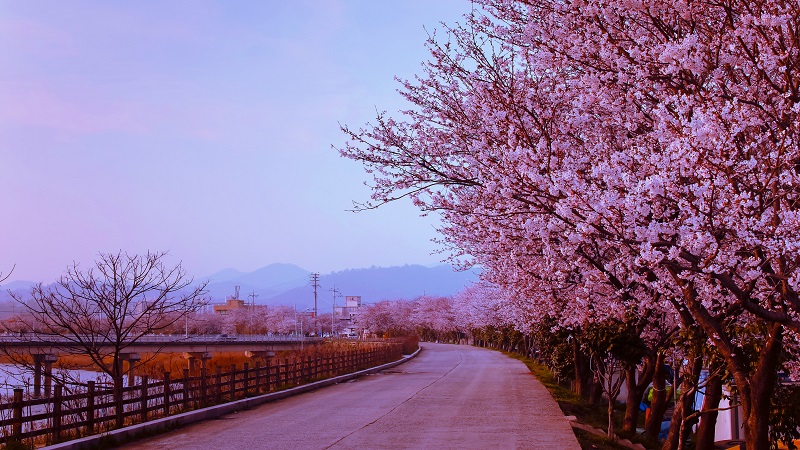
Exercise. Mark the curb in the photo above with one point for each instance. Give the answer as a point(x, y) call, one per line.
point(118, 436)
point(573, 421)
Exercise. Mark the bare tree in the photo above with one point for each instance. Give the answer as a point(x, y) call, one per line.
point(102, 311)
point(4, 277)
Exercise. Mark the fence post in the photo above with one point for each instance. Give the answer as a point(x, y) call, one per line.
point(218, 385)
point(203, 387)
point(258, 377)
point(185, 389)
point(315, 367)
point(89, 429)
point(167, 386)
point(57, 395)
point(143, 400)
point(302, 371)
point(268, 370)
point(232, 381)
point(246, 381)
point(336, 363)
point(16, 427)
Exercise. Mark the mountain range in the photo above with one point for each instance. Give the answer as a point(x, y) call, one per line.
point(288, 284)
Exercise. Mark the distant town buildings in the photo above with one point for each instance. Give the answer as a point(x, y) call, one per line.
point(232, 303)
point(348, 315)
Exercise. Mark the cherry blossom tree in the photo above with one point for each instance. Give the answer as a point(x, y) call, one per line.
point(434, 318)
point(388, 318)
point(650, 146)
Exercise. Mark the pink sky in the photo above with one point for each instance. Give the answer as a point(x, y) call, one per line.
point(203, 128)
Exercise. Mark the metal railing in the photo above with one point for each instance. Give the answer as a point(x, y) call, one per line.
point(37, 338)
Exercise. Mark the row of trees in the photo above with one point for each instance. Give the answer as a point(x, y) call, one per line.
point(598, 358)
point(618, 165)
point(257, 319)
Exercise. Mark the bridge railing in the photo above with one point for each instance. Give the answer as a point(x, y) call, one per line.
point(33, 338)
point(75, 412)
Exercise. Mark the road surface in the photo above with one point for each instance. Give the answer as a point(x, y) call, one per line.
point(450, 396)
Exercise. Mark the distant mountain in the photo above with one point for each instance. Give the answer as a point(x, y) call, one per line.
point(225, 275)
point(278, 276)
point(265, 282)
point(18, 287)
point(288, 284)
point(380, 283)
point(9, 306)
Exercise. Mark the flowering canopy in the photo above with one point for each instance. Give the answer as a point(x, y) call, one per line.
point(612, 156)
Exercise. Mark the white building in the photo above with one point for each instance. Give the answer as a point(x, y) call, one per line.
point(348, 315)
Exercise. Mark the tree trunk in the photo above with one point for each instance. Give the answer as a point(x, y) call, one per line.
point(582, 372)
point(636, 390)
point(683, 406)
point(757, 394)
point(119, 401)
point(595, 393)
point(611, 418)
point(708, 421)
point(756, 424)
point(632, 401)
point(658, 405)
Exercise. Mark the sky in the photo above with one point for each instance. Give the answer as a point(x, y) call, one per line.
point(203, 128)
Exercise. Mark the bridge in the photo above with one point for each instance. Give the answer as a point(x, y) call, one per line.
point(197, 349)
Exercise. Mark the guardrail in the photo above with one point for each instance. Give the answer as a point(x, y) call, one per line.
point(73, 413)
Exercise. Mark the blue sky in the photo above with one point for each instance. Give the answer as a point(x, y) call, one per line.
point(203, 128)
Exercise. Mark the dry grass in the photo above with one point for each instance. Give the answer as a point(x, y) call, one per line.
point(154, 365)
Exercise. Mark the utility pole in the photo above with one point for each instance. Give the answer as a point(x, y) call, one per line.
point(336, 293)
point(252, 309)
point(314, 280)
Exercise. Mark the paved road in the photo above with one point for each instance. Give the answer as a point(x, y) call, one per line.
point(448, 397)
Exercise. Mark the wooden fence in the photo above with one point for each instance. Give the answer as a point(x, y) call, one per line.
point(92, 409)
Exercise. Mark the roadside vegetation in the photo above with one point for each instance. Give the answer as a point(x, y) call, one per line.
point(572, 404)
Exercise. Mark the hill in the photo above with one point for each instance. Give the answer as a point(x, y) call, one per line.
point(288, 284)
point(265, 282)
point(380, 283)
